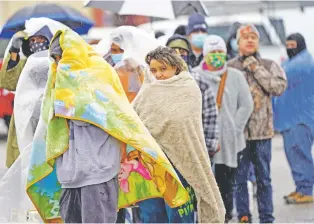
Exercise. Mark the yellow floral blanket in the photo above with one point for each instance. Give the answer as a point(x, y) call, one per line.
point(84, 87)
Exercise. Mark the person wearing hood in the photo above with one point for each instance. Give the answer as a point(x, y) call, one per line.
point(127, 55)
point(266, 79)
point(232, 45)
point(130, 71)
point(77, 180)
point(197, 31)
point(115, 54)
point(10, 72)
point(235, 106)
point(27, 103)
point(294, 118)
point(181, 45)
point(88, 130)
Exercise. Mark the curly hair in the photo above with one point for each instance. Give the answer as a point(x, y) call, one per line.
point(168, 56)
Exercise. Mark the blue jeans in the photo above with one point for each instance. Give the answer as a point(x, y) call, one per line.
point(257, 152)
point(156, 210)
point(298, 143)
point(252, 176)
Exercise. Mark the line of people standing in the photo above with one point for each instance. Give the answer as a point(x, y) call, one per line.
point(243, 89)
point(228, 111)
point(282, 101)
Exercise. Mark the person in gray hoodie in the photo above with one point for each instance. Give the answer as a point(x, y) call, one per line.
point(235, 106)
point(88, 170)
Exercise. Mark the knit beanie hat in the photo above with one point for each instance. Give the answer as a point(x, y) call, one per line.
point(250, 28)
point(196, 22)
point(212, 43)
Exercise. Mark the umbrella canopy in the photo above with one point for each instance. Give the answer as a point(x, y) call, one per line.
point(166, 9)
point(64, 14)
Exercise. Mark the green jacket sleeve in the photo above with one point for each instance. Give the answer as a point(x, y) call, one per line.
point(9, 78)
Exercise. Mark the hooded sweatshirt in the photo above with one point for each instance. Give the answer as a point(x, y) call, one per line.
point(45, 32)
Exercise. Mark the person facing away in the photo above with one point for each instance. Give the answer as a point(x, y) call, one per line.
point(181, 30)
point(197, 30)
point(88, 170)
point(235, 107)
point(266, 79)
point(169, 104)
point(294, 118)
point(10, 72)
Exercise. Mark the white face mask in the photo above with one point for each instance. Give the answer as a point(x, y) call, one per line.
point(234, 45)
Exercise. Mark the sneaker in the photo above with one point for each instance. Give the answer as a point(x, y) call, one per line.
point(290, 195)
point(244, 219)
point(300, 199)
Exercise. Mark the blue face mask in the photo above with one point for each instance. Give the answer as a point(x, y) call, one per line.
point(198, 39)
point(116, 58)
point(234, 45)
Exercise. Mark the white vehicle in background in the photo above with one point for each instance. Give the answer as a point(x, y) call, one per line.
point(271, 31)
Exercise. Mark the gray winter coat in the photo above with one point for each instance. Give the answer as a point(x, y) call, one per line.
point(237, 106)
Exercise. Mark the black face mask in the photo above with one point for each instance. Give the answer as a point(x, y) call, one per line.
point(301, 45)
point(292, 52)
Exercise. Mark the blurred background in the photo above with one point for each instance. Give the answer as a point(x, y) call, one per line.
point(275, 20)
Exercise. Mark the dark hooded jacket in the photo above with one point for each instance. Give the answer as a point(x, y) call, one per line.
point(301, 45)
point(45, 32)
point(232, 34)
